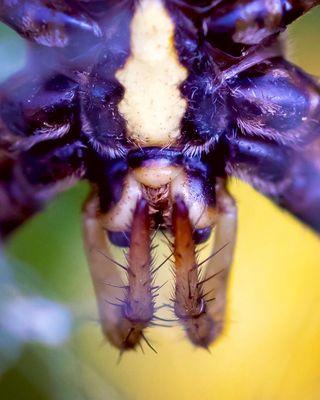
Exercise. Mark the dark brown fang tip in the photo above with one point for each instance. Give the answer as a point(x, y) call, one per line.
point(189, 303)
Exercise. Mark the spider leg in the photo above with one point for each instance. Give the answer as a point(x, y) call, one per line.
point(248, 22)
point(215, 280)
point(48, 23)
point(17, 200)
point(276, 146)
point(37, 107)
point(28, 182)
point(103, 272)
point(39, 154)
point(277, 100)
point(289, 178)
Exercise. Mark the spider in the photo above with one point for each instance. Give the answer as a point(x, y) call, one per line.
point(157, 103)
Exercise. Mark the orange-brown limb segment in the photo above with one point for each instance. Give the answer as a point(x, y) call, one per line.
point(189, 304)
point(123, 313)
point(139, 305)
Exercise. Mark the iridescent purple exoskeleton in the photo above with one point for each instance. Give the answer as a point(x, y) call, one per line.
point(156, 103)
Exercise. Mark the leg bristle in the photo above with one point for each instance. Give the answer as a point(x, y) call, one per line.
point(212, 255)
point(148, 343)
point(112, 260)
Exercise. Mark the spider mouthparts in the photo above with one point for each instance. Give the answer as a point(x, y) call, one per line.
point(125, 310)
point(189, 302)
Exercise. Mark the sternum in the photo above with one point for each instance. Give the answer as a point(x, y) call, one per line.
point(152, 105)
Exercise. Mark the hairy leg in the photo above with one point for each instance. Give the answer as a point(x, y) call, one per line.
point(29, 181)
point(277, 100)
point(291, 178)
point(248, 22)
point(276, 144)
point(39, 154)
point(18, 201)
point(48, 23)
point(218, 266)
point(106, 277)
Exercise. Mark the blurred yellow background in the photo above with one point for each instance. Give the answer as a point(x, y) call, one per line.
point(271, 347)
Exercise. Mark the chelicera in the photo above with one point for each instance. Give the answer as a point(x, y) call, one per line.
point(157, 103)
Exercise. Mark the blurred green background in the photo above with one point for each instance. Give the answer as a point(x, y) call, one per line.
point(270, 350)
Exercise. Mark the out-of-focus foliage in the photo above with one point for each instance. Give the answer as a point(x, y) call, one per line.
point(12, 51)
point(271, 349)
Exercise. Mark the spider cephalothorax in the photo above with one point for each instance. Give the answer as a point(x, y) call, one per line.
point(156, 103)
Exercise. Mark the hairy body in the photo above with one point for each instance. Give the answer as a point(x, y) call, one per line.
point(156, 103)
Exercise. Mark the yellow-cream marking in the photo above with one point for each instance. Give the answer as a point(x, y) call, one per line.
point(156, 175)
point(152, 104)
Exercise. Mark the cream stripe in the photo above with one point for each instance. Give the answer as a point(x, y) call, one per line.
point(152, 104)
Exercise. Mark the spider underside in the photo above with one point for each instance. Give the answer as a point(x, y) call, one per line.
point(157, 103)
